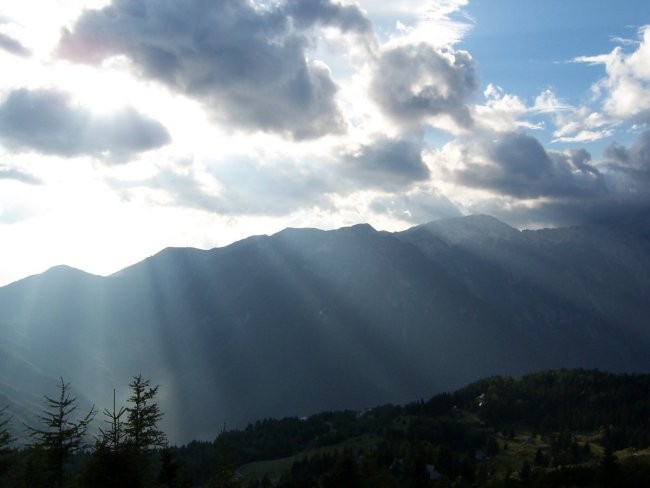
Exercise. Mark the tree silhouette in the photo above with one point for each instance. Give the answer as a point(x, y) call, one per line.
point(112, 463)
point(223, 475)
point(171, 473)
point(114, 436)
point(143, 417)
point(61, 436)
point(122, 455)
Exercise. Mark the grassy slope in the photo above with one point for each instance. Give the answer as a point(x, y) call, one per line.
point(274, 468)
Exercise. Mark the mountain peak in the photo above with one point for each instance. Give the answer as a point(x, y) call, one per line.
point(360, 229)
point(64, 272)
point(64, 268)
point(457, 230)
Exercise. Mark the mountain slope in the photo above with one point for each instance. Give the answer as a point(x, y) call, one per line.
point(308, 320)
point(571, 291)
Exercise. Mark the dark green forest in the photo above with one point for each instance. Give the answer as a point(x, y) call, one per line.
point(549, 429)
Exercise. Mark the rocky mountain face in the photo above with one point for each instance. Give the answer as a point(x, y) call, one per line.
point(308, 320)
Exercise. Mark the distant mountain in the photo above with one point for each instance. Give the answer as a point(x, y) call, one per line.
point(308, 320)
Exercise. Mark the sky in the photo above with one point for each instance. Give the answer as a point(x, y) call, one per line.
point(128, 126)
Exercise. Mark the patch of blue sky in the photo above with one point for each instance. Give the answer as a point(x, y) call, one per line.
point(526, 47)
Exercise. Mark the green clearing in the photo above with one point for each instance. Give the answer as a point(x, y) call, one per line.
point(275, 468)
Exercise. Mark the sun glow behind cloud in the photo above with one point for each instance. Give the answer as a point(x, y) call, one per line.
point(169, 133)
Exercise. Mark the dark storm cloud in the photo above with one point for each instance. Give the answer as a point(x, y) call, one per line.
point(578, 159)
point(247, 64)
point(387, 164)
point(12, 46)
point(47, 122)
point(610, 210)
point(519, 166)
point(634, 161)
point(8, 173)
point(620, 193)
point(617, 153)
point(414, 82)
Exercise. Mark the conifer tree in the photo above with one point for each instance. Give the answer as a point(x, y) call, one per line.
point(114, 435)
point(114, 462)
point(61, 436)
point(172, 473)
point(143, 417)
point(224, 473)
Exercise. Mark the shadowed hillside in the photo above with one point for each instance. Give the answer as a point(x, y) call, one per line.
point(308, 320)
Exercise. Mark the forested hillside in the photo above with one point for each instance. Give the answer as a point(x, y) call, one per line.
point(554, 428)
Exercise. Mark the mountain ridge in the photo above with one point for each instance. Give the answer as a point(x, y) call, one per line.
point(306, 320)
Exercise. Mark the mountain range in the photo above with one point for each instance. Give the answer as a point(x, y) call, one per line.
point(309, 320)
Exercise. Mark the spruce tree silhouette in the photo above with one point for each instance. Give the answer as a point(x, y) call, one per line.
point(143, 416)
point(61, 436)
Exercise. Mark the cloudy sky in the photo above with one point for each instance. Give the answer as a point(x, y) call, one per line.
point(127, 126)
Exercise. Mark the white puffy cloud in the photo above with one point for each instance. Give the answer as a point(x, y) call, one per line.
point(504, 112)
point(582, 125)
point(501, 112)
point(438, 23)
point(626, 87)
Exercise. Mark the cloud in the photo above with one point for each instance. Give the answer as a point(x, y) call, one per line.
point(247, 64)
point(15, 212)
point(421, 205)
point(517, 165)
point(9, 173)
point(440, 23)
point(632, 163)
point(388, 164)
point(502, 111)
point(413, 83)
point(347, 18)
point(272, 185)
point(46, 121)
point(626, 87)
point(240, 186)
point(574, 124)
point(565, 212)
point(12, 46)
point(530, 185)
